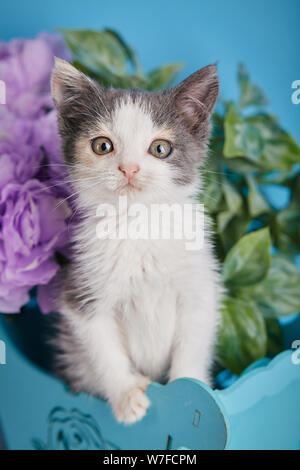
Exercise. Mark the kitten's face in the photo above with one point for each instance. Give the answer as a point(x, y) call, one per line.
point(147, 146)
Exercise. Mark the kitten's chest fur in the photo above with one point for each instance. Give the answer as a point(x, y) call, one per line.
point(147, 308)
point(135, 280)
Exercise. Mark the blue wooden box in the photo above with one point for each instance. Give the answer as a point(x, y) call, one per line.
point(260, 410)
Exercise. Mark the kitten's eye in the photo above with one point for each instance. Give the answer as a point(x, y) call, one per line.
point(102, 145)
point(160, 148)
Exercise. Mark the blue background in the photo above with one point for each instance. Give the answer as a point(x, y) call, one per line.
point(264, 34)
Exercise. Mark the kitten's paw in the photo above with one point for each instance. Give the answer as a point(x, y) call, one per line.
point(133, 404)
point(143, 382)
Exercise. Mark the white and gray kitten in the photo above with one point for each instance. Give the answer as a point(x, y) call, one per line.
point(134, 311)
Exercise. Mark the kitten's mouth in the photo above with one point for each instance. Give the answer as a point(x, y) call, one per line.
point(130, 186)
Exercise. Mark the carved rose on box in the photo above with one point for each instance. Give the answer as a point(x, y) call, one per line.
point(72, 430)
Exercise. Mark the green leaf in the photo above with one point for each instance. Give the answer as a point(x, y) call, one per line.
point(280, 151)
point(288, 225)
point(286, 245)
point(279, 293)
point(241, 137)
point(242, 165)
point(248, 261)
point(163, 77)
point(275, 177)
point(275, 344)
point(223, 219)
point(295, 190)
point(242, 335)
point(256, 201)
point(233, 230)
point(288, 220)
point(267, 125)
point(250, 94)
point(104, 56)
point(233, 198)
point(217, 128)
point(260, 139)
point(96, 50)
point(211, 194)
point(129, 53)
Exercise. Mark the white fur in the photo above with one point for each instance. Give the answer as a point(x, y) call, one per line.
point(155, 312)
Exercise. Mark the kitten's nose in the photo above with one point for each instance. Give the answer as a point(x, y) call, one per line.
point(129, 169)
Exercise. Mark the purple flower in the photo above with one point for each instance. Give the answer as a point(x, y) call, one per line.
point(31, 149)
point(25, 67)
point(29, 140)
point(33, 216)
point(33, 226)
point(52, 166)
point(20, 155)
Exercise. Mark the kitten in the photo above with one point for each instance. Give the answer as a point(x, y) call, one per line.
point(134, 311)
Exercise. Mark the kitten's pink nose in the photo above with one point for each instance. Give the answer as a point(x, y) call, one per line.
point(129, 170)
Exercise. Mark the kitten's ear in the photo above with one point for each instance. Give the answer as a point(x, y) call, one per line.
point(70, 88)
point(196, 96)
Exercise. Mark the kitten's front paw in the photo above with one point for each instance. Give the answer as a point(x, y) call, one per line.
point(133, 403)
